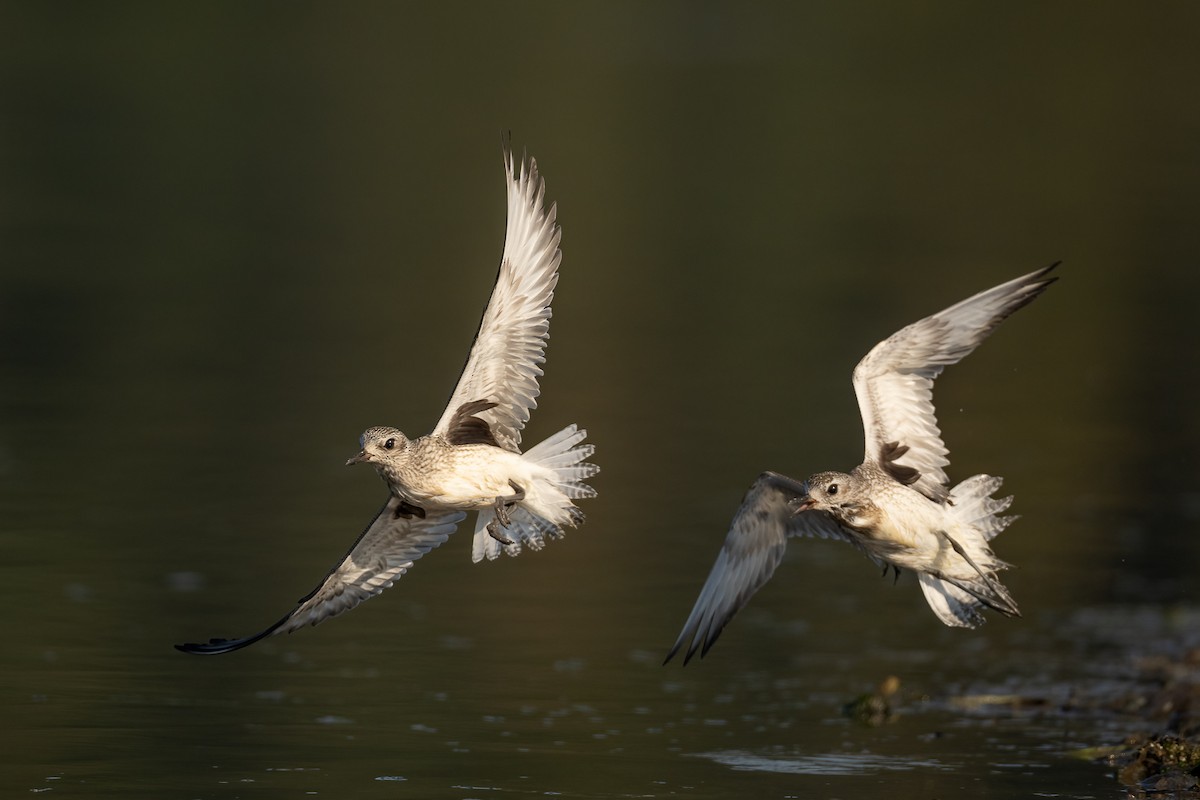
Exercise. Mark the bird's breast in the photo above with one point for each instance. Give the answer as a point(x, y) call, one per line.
point(863, 519)
point(464, 476)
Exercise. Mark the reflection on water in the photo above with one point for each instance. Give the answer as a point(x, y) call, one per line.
point(825, 764)
point(232, 237)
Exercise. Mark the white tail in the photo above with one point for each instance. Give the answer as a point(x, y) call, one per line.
point(956, 607)
point(958, 596)
point(974, 505)
point(547, 506)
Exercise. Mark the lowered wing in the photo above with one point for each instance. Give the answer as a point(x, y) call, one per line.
point(384, 552)
point(752, 550)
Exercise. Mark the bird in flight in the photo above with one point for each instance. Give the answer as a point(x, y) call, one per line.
point(472, 461)
point(897, 506)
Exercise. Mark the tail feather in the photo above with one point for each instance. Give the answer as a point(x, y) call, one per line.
point(484, 545)
point(952, 605)
point(563, 455)
point(576, 491)
point(568, 458)
point(525, 530)
point(974, 505)
point(959, 592)
point(558, 443)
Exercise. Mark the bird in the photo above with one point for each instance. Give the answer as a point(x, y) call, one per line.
point(472, 461)
point(896, 506)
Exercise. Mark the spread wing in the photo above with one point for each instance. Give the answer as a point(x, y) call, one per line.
point(752, 550)
point(504, 364)
point(384, 552)
point(894, 382)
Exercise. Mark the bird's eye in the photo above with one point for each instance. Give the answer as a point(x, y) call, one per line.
point(833, 487)
point(389, 444)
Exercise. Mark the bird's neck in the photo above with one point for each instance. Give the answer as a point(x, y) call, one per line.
point(860, 517)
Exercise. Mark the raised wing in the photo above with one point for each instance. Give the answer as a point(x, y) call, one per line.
point(894, 382)
point(752, 550)
point(384, 552)
point(504, 365)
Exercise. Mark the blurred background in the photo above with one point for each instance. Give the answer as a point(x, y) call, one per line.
point(232, 236)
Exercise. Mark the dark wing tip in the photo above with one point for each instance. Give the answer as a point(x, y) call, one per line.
point(686, 635)
point(695, 640)
point(693, 643)
point(215, 647)
point(1027, 289)
point(716, 628)
point(1038, 281)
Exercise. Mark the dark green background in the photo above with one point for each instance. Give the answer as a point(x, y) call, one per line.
point(233, 235)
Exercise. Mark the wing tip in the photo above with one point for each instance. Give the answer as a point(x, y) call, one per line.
point(1038, 279)
point(696, 640)
point(506, 150)
point(687, 656)
point(216, 646)
point(527, 174)
point(1025, 290)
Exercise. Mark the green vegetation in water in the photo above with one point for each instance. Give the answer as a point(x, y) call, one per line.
point(1163, 691)
point(874, 708)
point(1160, 764)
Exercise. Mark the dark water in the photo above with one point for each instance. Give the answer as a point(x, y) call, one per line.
point(232, 236)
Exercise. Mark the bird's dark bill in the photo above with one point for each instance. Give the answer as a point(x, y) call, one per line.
point(358, 459)
point(801, 504)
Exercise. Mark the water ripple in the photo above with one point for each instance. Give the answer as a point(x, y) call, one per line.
point(821, 764)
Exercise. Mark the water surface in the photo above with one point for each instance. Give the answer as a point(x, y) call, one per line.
point(233, 237)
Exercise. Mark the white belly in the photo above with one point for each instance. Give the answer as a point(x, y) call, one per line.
point(473, 477)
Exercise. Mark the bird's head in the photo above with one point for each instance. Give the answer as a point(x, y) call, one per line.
point(828, 491)
point(379, 445)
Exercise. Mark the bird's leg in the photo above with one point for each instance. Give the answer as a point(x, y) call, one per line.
point(408, 510)
point(893, 568)
point(991, 582)
point(1002, 601)
point(503, 504)
point(501, 508)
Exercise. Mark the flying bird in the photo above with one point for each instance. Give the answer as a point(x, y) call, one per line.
point(897, 506)
point(472, 461)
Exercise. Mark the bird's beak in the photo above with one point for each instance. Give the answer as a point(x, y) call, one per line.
point(800, 504)
point(358, 459)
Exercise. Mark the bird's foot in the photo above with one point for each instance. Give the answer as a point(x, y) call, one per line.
point(494, 531)
point(504, 504)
